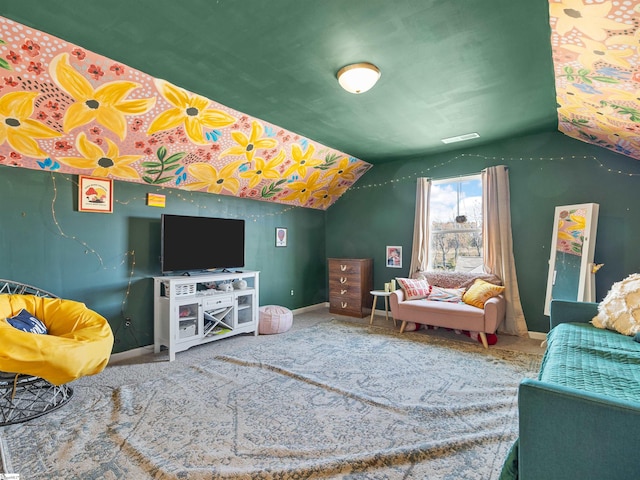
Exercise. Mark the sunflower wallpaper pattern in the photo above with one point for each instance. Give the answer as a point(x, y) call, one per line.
point(596, 57)
point(66, 109)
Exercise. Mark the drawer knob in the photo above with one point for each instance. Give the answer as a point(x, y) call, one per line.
point(342, 292)
point(344, 304)
point(343, 268)
point(343, 279)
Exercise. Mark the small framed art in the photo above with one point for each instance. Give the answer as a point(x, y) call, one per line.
point(394, 257)
point(281, 237)
point(156, 200)
point(95, 194)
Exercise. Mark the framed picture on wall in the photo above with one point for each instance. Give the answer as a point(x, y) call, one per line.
point(95, 194)
point(281, 237)
point(394, 257)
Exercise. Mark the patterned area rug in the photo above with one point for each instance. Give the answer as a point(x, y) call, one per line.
point(333, 400)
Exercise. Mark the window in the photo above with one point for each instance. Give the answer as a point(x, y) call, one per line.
point(455, 241)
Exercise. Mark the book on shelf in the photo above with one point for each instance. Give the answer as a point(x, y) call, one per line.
point(217, 331)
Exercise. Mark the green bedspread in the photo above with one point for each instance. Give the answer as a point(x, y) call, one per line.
point(598, 361)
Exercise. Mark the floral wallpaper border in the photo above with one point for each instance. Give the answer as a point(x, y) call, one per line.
point(596, 53)
point(66, 109)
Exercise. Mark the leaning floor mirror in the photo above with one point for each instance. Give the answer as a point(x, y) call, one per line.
point(571, 267)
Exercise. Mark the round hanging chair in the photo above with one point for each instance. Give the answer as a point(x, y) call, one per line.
point(35, 368)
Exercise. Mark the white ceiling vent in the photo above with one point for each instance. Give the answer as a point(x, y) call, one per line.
point(460, 138)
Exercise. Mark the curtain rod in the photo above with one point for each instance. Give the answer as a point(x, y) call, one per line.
point(442, 179)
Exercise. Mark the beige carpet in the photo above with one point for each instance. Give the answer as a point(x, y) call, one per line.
point(331, 398)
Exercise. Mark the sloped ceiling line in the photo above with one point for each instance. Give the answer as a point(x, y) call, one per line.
point(66, 109)
point(596, 60)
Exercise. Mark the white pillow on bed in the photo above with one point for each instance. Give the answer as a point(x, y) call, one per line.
point(620, 309)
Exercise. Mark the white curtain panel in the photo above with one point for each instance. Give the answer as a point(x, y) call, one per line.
point(420, 248)
point(497, 245)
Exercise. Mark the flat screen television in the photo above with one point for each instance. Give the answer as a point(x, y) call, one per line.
point(191, 243)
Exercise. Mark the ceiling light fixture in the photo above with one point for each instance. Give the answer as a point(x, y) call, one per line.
point(358, 77)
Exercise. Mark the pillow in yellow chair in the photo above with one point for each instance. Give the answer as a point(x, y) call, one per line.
point(28, 323)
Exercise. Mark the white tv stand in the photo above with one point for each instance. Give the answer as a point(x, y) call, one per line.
point(192, 310)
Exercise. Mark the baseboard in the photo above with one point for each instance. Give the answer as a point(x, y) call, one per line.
point(310, 308)
point(538, 336)
point(135, 352)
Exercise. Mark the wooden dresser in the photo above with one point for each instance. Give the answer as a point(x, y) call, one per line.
point(350, 281)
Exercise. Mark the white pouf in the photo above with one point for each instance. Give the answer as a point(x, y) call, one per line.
point(274, 319)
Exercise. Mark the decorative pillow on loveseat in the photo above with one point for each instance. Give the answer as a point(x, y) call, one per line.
point(619, 309)
point(480, 292)
point(27, 322)
point(414, 289)
point(439, 294)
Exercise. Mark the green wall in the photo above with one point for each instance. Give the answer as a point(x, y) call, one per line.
point(379, 210)
point(90, 257)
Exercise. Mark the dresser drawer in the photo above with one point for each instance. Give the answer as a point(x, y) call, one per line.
point(344, 267)
point(349, 307)
point(344, 292)
point(345, 282)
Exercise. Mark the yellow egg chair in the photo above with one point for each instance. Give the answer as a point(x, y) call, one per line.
point(35, 368)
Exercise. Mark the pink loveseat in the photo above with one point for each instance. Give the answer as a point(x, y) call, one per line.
point(458, 316)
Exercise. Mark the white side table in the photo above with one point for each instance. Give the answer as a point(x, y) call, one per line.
point(386, 295)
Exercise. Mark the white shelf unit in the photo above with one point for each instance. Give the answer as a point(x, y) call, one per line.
point(192, 310)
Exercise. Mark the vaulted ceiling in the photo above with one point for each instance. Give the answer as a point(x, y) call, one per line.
point(448, 67)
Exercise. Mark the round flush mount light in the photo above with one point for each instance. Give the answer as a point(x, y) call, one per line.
point(358, 77)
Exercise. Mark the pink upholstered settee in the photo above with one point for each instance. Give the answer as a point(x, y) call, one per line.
point(458, 316)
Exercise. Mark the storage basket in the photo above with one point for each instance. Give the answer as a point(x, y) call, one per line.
point(182, 290)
